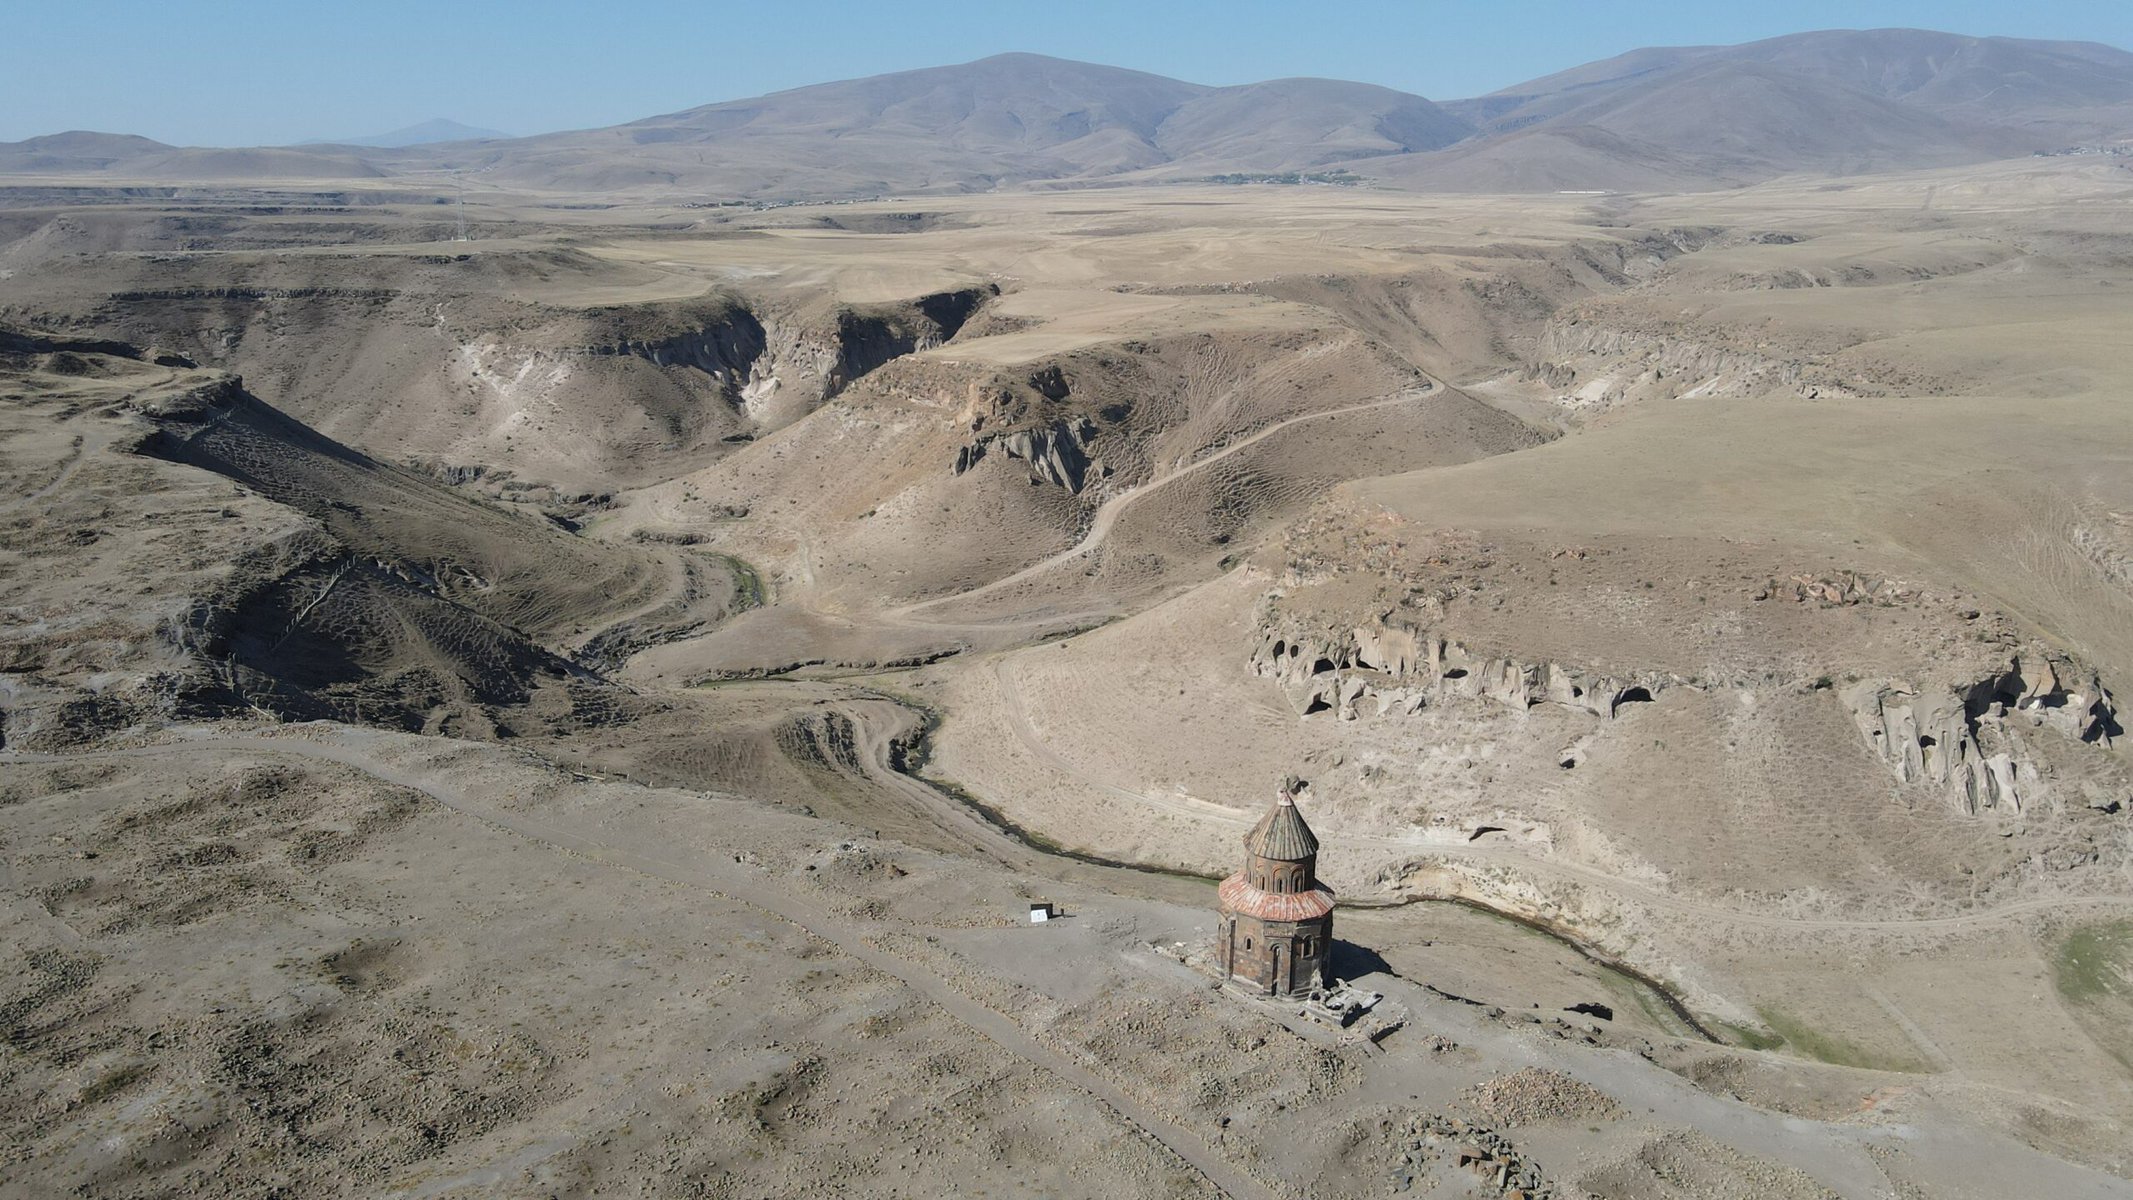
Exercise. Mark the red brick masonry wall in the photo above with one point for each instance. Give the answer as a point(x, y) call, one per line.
point(1275, 942)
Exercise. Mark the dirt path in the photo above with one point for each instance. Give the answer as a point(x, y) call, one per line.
point(1108, 512)
point(91, 432)
point(72, 463)
point(736, 882)
point(875, 724)
point(800, 589)
point(1935, 1057)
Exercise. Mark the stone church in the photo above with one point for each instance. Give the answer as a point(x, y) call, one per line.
point(1276, 929)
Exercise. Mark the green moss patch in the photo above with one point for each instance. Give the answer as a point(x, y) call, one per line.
point(2095, 964)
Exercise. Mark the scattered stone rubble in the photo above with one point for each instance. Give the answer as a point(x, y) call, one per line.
point(1436, 1142)
point(1533, 1094)
point(1837, 591)
point(1339, 1006)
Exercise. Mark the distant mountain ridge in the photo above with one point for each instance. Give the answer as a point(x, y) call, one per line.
point(1011, 118)
point(1835, 102)
point(1986, 80)
point(125, 156)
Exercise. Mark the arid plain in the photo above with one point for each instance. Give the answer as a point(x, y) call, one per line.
point(582, 709)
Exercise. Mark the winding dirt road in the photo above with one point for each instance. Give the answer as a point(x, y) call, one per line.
point(1109, 511)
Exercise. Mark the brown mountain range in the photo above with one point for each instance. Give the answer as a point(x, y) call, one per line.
point(1833, 102)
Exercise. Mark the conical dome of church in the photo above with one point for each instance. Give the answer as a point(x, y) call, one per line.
point(1282, 834)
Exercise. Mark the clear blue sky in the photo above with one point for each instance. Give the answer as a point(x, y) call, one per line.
point(241, 72)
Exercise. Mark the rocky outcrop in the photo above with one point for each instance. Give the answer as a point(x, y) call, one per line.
point(726, 349)
point(1057, 453)
point(1390, 666)
point(797, 372)
point(1969, 739)
point(775, 368)
point(1840, 590)
point(1597, 366)
point(1965, 736)
point(760, 365)
point(867, 340)
point(745, 357)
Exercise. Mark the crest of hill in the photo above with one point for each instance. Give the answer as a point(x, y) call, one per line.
point(1711, 122)
point(1012, 117)
point(1006, 102)
point(143, 158)
point(75, 150)
point(2060, 91)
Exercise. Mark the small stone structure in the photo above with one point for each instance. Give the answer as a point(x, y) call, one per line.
point(1340, 1005)
point(1276, 928)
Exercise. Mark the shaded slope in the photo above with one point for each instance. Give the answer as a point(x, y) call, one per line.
point(2054, 90)
point(323, 585)
point(1009, 117)
point(1289, 124)
point(1706, 124)
point(510, 569)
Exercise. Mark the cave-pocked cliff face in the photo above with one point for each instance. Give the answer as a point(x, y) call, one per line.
point(1389, 666)
point(2020, 737)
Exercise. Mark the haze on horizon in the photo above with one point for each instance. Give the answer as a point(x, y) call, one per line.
point(249, 73)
